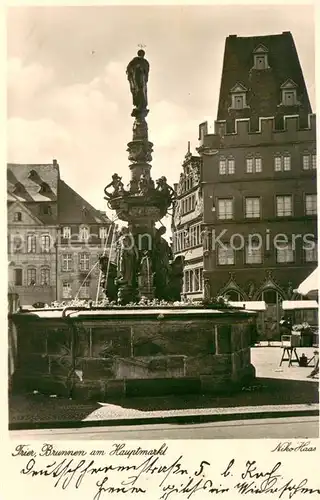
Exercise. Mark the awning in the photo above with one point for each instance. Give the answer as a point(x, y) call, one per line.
point(251, 305)
point(290, 305)
point(310, 284)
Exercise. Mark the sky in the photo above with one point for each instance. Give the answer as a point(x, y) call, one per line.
point(68, 94)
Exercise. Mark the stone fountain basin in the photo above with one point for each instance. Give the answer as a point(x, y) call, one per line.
point(110, 353)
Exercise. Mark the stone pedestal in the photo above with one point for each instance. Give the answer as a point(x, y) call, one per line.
point(127, 352)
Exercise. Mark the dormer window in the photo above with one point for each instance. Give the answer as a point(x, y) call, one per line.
point(32, 174)
point(18, 188)
point(289, 93)
point(238, 97)
point(44, 188)
point(260, 58)
point(45, 209)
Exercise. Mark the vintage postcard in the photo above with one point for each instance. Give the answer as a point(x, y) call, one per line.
point(161, 214)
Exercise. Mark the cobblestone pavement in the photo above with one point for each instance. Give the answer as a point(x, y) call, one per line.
point(275, 389)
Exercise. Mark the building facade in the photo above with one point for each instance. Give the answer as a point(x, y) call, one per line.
point(54, 237)
point(187, 225)
point(258, 173)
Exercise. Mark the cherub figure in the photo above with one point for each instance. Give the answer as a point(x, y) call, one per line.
point(118, 187)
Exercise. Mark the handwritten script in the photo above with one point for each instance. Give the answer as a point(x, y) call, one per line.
point(155, 473)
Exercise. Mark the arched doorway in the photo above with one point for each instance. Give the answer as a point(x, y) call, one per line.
point(233, 295)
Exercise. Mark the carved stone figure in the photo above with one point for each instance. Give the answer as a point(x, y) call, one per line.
point(162, 255)
point(109, 274)
point(207, 289)
point(176, 279)
point(290, 290)
point(251, 290)
point(195, 170)
point(127, 258)
point(145, 272)
point(166, 191)
point(118, 187)
point(176, 212)
point(145, 184)
point(138, 74)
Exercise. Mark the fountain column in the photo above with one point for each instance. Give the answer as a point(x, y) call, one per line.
point(144, 202)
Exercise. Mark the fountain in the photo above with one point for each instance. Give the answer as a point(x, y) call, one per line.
point(144, 267)
point(142, 340)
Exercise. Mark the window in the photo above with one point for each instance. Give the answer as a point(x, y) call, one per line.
point(249, 165)
point(17, 217)
point(188, 204)
point(198, 279)
point(31, 243)
point(286, 163)
point(285, 253)
point(289, 93)
point(253, 253)
point(84, 262)
point(187, 281)
point(18, 277)
point(311, 204)
point(238, 96)
point(306, 162)
point(225, 209)
point(45, 276)
point(225, 255)
point(84, 233)
point(84, 292)
point(45, 243)
point(45, 188)
point(311, 254)
point(193, 280)
point(309, 161)
point(194, 237)
point(66, 232)
point(284, 206)
point(230, 166)
point(282, 163)
point(46, 209)
point(238, 101)
point(222, 166)
point(258, 164)
point(253, 164)
point(103, 233)
point(66, 291)
point(289, 97)
point(260, 61)
point(226, 166)
point(31, 276)
point(17, 243)
point(260, 57)
point(252, 208)
point(66, 262)
point(277, 163)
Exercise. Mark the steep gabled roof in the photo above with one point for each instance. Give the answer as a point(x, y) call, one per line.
point(73, 209)
point(16, 205)
point(264, 86)
point(25, 181)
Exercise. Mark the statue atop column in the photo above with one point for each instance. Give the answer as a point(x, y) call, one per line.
point(138, 73)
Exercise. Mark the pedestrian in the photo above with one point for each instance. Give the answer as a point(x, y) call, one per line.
point(315, 370)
